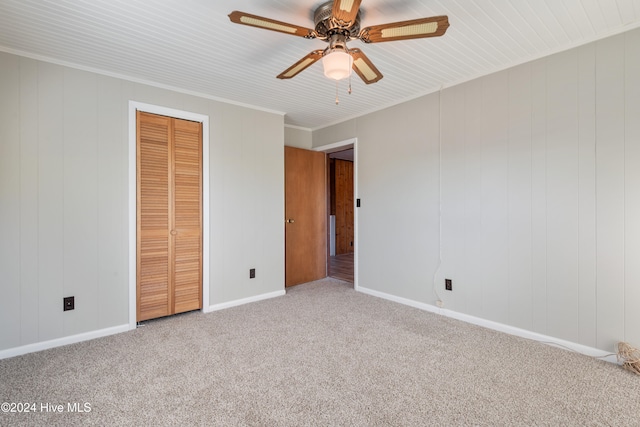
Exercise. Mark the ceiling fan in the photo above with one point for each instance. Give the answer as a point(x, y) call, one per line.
point(337, 22)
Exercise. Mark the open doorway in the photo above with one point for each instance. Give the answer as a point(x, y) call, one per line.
point(341, 215)
point(349, 148)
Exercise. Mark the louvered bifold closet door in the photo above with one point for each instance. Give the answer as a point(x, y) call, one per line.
point(187, 215)
point(154, 298)
point(169, 223)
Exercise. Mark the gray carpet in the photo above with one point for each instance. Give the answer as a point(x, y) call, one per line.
point(321, 355)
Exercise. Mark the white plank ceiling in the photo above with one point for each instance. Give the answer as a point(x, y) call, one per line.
point(191, 46)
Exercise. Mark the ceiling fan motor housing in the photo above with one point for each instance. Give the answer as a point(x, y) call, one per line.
point(326, 27)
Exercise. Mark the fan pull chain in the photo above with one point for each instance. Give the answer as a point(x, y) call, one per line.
point(337, 99)
point(349, 90)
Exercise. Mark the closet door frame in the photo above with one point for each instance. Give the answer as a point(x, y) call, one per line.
point(135, 106)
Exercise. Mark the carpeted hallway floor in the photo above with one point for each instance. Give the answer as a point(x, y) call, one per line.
point(321, 355)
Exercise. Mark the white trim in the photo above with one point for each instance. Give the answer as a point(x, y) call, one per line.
point(401, 300)
point(155, 109)
point(59, 342)
point(339, 146)
point(496, 326)
point(243, 301)
point(297, 127)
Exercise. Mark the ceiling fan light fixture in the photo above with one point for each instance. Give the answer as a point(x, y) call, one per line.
point(337, 64)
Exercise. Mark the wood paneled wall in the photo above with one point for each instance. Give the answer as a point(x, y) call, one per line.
point(541, 194)
point(540, 190)
point(343, 193)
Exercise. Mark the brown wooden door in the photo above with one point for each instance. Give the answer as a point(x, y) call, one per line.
point(305, 216)
point(169, 223)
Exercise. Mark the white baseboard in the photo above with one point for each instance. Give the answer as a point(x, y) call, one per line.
point(243, 301)
point(59, 342)
point(512, 330)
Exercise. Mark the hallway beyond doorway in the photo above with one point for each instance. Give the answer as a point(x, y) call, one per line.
point(341, 267)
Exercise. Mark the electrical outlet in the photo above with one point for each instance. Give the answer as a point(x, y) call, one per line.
point(68, 303)
point(448, 284)
point(252, 273)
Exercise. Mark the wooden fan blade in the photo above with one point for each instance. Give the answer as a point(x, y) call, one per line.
point(344, 12)
point(301, 65)
point(270, 24)
point(364, 67)
point(434, 26)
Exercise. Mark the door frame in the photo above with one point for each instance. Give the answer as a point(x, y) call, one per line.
point(132, 205)
point(340, 146)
